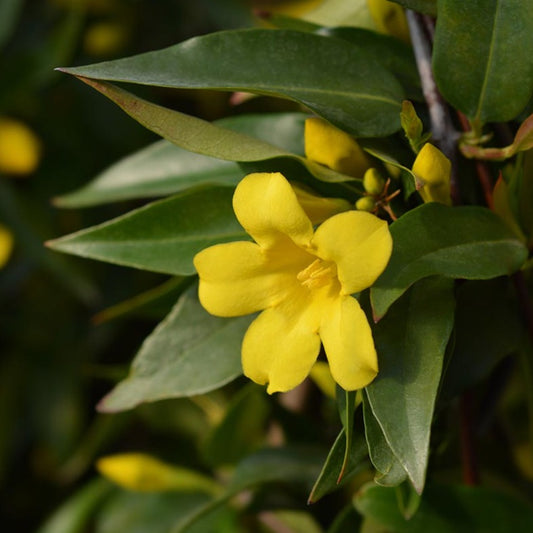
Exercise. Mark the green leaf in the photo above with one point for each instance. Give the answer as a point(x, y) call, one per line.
point(191, 352)
point(482, 57)
point(164, 168)
point(163, 236)
point(346, 406)
point(74, 515)
point(390, 471)
point(411, 341)
point(332, 77)
point(204, 138)
point(154, 513)
point(396, 56)
point(455, 242)
point(9, 14)
point(446, 508)
point(329, 479)
point(242, 429)
point(488, 327)
point(289, 465)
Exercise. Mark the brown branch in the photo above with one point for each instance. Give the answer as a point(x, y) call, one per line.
point(442, 129)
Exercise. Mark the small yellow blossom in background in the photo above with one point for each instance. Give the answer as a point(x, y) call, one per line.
point(143, 473)
point(389, 18)
point(6, 245)
point(20, 149)
point(433, 170)
point(334, 148)
point(105, 38)
point(302, 281)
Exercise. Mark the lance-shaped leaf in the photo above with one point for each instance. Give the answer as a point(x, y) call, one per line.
point(455, 242)
point(202, 137)
point(164, 168)
point(332, 77)
point(163, 236)
point(191, 352)
point(482, 57)
point(411, 341)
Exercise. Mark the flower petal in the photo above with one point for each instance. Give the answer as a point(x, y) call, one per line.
point(267, 208)
point(359, 243)
point(281, 345)
point(349, 345)
point(318, 208)
point(239, 278)
point(433, 168)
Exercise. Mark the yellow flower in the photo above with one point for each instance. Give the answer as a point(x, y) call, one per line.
point(389, 18)
point(6, 245)
point(433, 169)
point(20, 150)
point(302, 280)
point(334, 148)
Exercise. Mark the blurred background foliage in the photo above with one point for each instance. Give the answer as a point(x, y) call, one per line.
point(55, 135)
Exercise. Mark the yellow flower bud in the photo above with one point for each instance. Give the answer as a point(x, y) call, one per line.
point(433, 169)
point(144, 473)
point(334, 148)
point(389, 18)
point(20, 150)
point(366, 203)
point(373, 182)
point(6, 245)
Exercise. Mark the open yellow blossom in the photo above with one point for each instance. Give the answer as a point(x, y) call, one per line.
point(433, 169)
point(302, 281)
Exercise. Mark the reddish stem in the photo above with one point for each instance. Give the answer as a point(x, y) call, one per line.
point(468, 456)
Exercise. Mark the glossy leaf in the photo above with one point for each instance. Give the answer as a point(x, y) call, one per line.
point(191, 352)
point(163, 236)
point(329, 480)
point(448, 508)
point(459, 242)
point(488, 327)
point(390, 471)
point(164, 168)
point(394, 55)
point(482, 57)
point(346, 406)
point(411, 341)
point(334, 78)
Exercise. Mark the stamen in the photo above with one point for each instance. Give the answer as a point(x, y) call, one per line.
point(318, 274)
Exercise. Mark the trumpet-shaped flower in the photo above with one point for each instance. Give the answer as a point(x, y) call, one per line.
point(302, 280)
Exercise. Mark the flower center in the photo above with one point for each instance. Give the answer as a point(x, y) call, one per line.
point(318, 274)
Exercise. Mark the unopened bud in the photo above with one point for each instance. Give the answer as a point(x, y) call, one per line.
point(366, 203)
point(373, 182)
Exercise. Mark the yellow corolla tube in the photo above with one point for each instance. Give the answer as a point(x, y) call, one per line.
point(6, 245)
point(432, 168)
point(301, 280)
point(334, 148)
point(20, 149)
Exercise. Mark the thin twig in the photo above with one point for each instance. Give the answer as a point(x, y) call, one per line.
point(443, 131)
point(470, 466)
